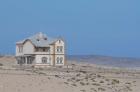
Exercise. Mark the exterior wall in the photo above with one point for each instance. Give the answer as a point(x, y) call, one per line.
point(51, 49)
point(17, 51)
point(28, 48)
point(38, 59)
point(60, 54)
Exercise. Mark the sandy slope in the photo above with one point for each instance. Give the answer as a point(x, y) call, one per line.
point(81, 78)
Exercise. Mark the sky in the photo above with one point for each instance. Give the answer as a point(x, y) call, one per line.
point(99, 27)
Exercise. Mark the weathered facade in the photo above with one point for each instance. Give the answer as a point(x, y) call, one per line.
point(41, 50)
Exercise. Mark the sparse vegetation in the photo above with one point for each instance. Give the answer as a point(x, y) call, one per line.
point(115, 81)
point(57, 76)
point(83, 90)
point(82, 83)
point(128, 83)
point(101, 81)
point(99, 76)
point(1, 64)
point(128, 88)
point(41, 73)
point(93, 80)
point(77, 80)
point(78, 74)
point(107, 79)
point(96, 84)
point(66, 82)
point(83, 71)
point(93, 89)
point(101, 89)
point(73, 78)
point(74, 85)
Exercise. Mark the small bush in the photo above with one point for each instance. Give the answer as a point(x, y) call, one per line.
point(57, 76)
point(83, 90)
point(82, 83)
point(101, 81)
point(99, 76)
point(93, 89)
point(96, 84)
point(115, 81)
point(73, 78)
point(128, 83)
point(78, 80)
point(1, 64)
point(101, 89)
point(107, 79)
point(129, 88)
point(83, 71)
point(74, 85)
point(66, 82)
point(78, 75)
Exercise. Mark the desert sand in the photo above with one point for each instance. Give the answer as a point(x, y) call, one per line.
point(77, 77)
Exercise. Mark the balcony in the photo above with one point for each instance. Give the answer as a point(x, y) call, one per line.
point(42, 50)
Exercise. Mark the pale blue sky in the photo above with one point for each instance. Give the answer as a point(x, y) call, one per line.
point(104, 27)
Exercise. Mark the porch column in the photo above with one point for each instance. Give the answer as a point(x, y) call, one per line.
point(26, 59)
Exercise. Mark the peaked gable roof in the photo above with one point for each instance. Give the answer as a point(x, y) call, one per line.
point(40, 40)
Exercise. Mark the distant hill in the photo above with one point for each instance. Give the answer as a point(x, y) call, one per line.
point(106, 60)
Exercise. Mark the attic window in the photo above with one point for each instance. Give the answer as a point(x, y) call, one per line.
point(59, 41)
point(45, 38)
point(37, 39)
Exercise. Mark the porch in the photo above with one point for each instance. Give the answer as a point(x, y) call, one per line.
point(25, 60)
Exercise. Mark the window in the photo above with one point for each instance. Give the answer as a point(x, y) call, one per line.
point(37, 49)
point(59, 48)
point(59, 60)
point(37, 39)
point(45, 38)
point(29, 60)
point(20, 49)
point(44, 60)
point(44, 49)
point(59, 41)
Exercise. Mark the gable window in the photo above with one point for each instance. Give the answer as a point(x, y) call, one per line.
point(59, 41)
point(44, 60)
point(59, 48)
point(37, 39)
point(45, 38)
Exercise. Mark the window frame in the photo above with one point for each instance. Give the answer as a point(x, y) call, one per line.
point(44, 60)
point(20, 48)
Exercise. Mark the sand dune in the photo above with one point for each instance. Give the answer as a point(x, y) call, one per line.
point(80, 78)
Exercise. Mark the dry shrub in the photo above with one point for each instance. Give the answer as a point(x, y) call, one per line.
point(82, 83)
point(115, 81)
point(101, 89)
point(96, 84)
point(1, 64)
point(101, 81)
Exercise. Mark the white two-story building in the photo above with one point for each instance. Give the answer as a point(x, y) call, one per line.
point(41, 50)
